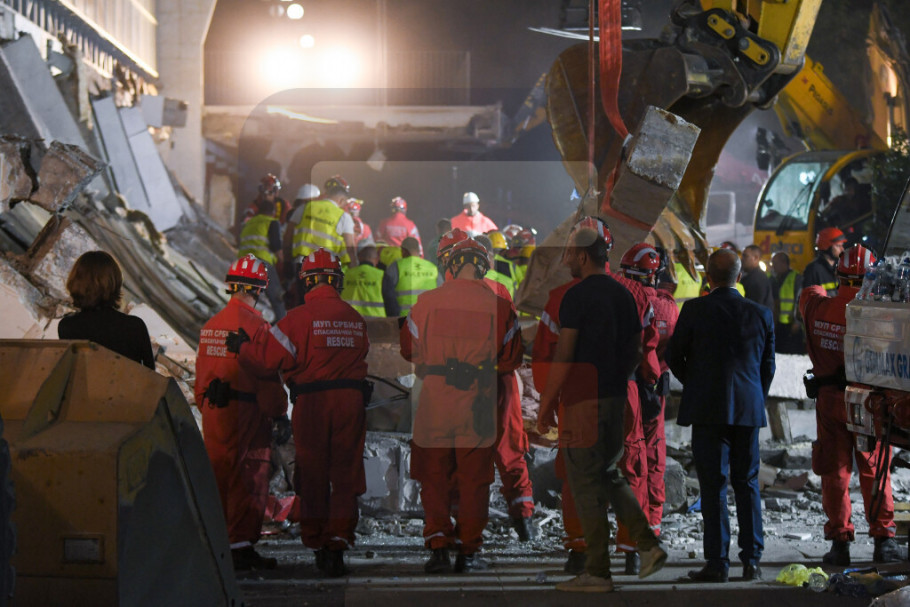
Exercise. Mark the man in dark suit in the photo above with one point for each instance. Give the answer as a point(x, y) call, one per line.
point(723, 353)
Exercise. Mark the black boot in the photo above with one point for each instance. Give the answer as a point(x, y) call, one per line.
point(439, 561)
point(633, 563)
point(334, 563)
point(246, 559)
point(839, 554)
point(887, 550)
point(321, 556)
point(525, 528)
point(575, 564)
point(470, 562)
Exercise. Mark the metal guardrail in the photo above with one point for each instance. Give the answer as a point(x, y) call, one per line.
point(106, 32)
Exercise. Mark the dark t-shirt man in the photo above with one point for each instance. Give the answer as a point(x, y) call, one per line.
point(758, 288)
point(604, 314)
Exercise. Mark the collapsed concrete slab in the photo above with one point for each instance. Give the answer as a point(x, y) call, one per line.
point(15, 178)
point(64, 173)
point(25, 308)
point(53, 253)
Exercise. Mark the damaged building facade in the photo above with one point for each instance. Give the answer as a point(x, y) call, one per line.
point(107, 142)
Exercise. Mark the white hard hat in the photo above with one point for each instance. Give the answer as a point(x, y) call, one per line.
point(308, 191)
point(469, 198)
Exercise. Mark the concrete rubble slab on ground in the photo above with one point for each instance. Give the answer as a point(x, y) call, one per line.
point(65, 171)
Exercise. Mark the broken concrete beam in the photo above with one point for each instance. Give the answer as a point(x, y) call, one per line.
point(655, 162)
point(779, 420)
point(65, 171)
point(15, 178)
point(53, 253)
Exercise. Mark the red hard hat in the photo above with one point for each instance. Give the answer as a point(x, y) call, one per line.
point(248, 272)
point(269, 184)
point(321, 263)
point(399, 204)
point(854, 262)
point(353, 205)
point(526, 237)
point(511, 230)
point(828, 237)
point(641, 260)
point(468, 251)
point(337, 182)
point(449, 240)
point(598, 225)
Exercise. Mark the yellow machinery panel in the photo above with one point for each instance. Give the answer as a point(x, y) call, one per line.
point(116, 503)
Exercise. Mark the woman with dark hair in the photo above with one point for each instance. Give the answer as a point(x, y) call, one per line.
point(95, 284)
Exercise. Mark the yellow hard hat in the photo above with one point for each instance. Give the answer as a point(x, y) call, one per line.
point(526, 251)
point(497, 239)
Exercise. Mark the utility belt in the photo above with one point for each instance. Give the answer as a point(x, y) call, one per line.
point(813, 383)
point(458, 374)
point(461, 376)
point(365, 386)
point(219, 394)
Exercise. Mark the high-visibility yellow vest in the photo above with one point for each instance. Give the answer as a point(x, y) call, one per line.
point(415, 275)
point(787, 299)
point(518, 273)
point(686, 287)
point(254, 239)
point(317, 228)
point(389, 254)
point(502, 279)
point(363, 290)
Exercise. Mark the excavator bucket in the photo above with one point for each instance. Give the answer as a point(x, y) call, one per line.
point(116, 503)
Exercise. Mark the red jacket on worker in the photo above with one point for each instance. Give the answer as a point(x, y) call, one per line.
point(362, 231)
point(395, 228)
point(834, 451)
point(478, 224)
point(324, 340)
point(238, 436)
point(463, 321)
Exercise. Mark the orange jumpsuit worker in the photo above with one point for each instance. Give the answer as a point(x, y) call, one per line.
point(460, 335)
point(396, 227)
point(835, 450)
point(237, 406)
point(320, 349)
point(643, 263)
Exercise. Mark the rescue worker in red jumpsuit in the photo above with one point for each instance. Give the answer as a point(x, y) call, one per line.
point(460, 336)
point(238, 404)
point(835, 449)
point(396, 227)
point(542, 355)
point(511, 439)
point(362, 231)
point(320, 348)
point(643, 263)
point(634, 463)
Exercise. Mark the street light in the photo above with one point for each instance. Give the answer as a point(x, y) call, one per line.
point(307, 41)
point(295, 11)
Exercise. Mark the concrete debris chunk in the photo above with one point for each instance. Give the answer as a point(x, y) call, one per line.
point(656, 160)
point(53, 254)
point(777, 504)
point(65, 171)
point(15, 181)
point(675, 485)
point(766, 476)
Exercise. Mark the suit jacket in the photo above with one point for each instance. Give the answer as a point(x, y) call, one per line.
point(723, 352)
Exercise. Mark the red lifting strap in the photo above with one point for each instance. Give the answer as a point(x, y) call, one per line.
point(611, 62)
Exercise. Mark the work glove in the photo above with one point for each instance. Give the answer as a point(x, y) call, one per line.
point(234, 340)
point(281, 432)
